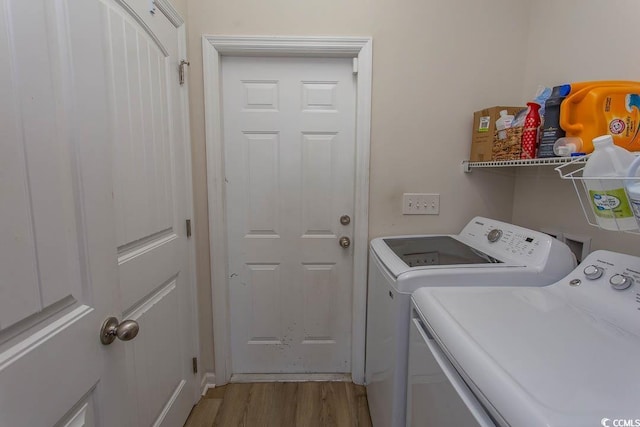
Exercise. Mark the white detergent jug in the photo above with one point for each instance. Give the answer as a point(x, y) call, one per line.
point(607, 196)
point(633, 189)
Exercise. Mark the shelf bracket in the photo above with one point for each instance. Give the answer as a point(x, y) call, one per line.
point(465, 166)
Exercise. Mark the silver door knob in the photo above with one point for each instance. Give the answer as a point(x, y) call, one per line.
point(345, 220)
point(345, 242)
point(112, 329)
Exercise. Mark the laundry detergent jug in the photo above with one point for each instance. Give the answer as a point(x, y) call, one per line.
point(607, 195)
point(603, 108)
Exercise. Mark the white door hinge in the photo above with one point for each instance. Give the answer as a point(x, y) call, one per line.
point(355, 65)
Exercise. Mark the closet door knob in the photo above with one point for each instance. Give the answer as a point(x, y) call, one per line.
point(112, 329)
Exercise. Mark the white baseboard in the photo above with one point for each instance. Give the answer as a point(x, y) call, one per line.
point(261, 378)
point(208, 381)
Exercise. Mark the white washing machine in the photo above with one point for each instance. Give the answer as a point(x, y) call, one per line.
point(486, 252)
point(564, 355)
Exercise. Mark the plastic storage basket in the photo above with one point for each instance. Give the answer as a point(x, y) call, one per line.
point(573, 171)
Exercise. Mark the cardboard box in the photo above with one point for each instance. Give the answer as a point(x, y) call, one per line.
point(484, 134)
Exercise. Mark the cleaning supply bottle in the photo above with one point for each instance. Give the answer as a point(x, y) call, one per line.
point(530, 131)
point(598, 108)
point(566, 146)
point(551, 130)
point(542, 94)
point(504, 122)
point(607, 196)
point(633, 189)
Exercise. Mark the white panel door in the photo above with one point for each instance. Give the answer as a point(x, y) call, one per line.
point(289, 142)
point(55, 288)
point(92, 210)
point(149, 193)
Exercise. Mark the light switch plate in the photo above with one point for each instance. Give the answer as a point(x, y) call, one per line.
point(420, 204)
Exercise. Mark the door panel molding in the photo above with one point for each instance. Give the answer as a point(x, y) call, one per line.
point(22, 370)
point(213, 47)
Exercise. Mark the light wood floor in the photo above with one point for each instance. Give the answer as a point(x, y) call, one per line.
point(295, 404)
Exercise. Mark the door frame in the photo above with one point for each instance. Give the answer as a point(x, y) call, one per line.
point(213, 48)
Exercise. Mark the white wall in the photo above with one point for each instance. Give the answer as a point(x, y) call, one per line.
point(181, 7)
point(435, 62)
point(575, 40)
point(433, 66)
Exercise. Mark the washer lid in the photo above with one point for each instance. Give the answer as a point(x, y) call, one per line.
point(402, 254)
point(421, 251)
point(537, 359)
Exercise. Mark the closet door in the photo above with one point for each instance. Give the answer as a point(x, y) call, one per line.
point(149, 152)
point(56, 285)
point(93, 199)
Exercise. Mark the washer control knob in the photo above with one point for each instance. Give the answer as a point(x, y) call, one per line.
point(494, 235)
point(620, 282)
point(593, 272)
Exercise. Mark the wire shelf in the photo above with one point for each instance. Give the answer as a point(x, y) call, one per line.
point(606, 190)
point(469, 165)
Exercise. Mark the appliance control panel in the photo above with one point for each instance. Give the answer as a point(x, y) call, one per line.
point(609, 269)
point(607, 283)
point(508, 240)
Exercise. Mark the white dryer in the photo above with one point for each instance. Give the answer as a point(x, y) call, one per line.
point(486, 252)
point(565, 355)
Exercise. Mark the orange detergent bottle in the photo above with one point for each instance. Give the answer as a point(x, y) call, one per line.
point(603, 108)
